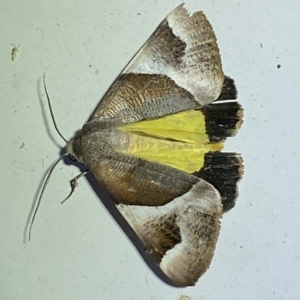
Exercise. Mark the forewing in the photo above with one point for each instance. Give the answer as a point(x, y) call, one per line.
point(137, 97)
point(180, 58)
point(175, 214)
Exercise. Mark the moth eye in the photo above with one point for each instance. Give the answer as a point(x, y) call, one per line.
point(72, 157)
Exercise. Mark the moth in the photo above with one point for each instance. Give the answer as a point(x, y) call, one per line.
point(14, 52)
point(154, 143)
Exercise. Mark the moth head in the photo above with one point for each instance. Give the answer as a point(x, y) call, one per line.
point(73, 148)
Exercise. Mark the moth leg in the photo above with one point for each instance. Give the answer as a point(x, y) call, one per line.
point(74, 184)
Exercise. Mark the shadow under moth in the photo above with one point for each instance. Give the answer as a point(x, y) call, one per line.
point(154, 143)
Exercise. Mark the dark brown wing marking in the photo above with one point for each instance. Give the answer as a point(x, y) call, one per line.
point(135, 181)
point(137, 97)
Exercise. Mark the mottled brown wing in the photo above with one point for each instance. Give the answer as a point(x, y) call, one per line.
point(137, 97)
point(180, 58)
point(175, 214)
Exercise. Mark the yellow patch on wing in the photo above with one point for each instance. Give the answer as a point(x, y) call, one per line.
point(177, 140)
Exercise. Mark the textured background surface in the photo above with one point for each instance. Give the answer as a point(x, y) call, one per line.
point(78, 251)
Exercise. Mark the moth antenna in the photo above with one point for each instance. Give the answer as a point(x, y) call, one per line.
point(74, 184)
point(50, 108)
point(42, 192)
